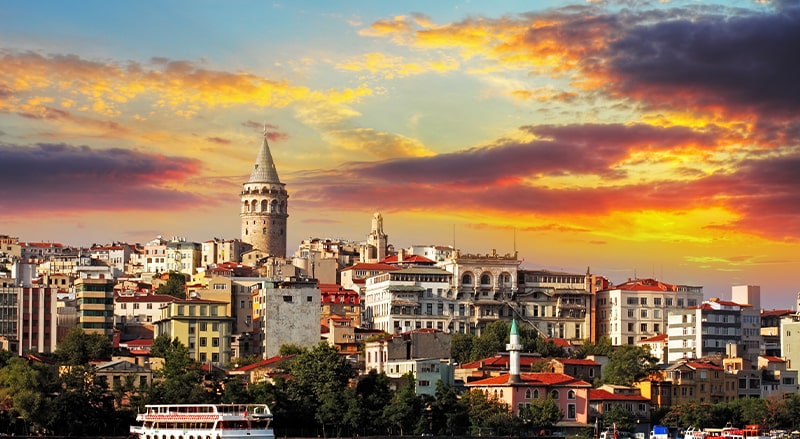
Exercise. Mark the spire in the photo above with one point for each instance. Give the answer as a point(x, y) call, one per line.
point(514, 330)
point(513, 348)
point(264, 170)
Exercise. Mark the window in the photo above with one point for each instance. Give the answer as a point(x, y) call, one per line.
point(241, 303)
point(535, 393)
point(630, 327)
point(571, 394)
point(669, 301)
point(643, 327)
point(657, 327)
point(527, 393)
point(287, 299)
point(643, 301)
point(554, 394)
point(657, 301)
point(630, 313)
point(631, 301)
point(215, 342)
point(643, 313)
point(203, 342)
point(571, 411)
point(203, 326)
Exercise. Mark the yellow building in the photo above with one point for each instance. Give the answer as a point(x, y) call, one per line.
point(203, 326)
point(700, 381)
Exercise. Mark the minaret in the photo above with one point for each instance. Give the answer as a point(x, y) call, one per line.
point(513, 348)
point(264, 206)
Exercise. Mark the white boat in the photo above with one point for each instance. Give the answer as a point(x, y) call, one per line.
point(204, 421)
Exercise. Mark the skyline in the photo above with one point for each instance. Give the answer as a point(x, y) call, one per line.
point(656, 140)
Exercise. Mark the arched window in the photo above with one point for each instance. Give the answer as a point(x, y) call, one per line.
point(501, 393)
point(536, 394)
point(273, 206)
point(527, 393)
point(263, 205)
point(554, 394)
point(571, 394)
point(466, 279)
point(486, 279)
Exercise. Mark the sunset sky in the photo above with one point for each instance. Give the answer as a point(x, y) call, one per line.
point(657, 140)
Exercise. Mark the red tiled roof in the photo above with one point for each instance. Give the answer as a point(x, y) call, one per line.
point(704, 365)
point(370, 267)
point(605, 395)
point(560, 342)
point(772, 359)
point(413, 259)
point(659, 337)
point(776, 312)
point(547, 379)
point(139, 342)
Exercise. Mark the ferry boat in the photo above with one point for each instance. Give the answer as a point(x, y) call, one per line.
point(204, 421)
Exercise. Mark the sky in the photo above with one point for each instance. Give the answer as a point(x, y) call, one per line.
point(630, 138)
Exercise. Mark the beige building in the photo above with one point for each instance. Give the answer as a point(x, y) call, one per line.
point(638, 309)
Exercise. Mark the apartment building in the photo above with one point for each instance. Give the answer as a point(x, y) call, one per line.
point(712, 328)
point(639, 308)
point(95, 302)
point(203, 326)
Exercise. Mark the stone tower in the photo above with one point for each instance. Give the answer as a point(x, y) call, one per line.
point(264, 206)
point(374, 250)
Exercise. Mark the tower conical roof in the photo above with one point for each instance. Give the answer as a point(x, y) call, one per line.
point(264, 170)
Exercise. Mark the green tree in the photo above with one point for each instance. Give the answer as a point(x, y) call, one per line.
point(374, 394)
point(689, 414)
point(483, 412)
point(319, 378)
point(450, 415)
point(175, 285)
point(541, 414)
point(602, 347)
point(291, 349)
point(628, 364)
point(183, 377)
point(461, 347)
point(78, 347)
point(492, 340)
point(618, 415)
point(404, 412)
point(84, 401)
point(23, 389)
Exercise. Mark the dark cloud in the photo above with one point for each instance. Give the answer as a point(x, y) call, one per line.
point(741, 62)
point(559, 150)
point(50, 178)
point(273, 133)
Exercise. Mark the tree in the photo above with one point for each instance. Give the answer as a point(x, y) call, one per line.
point(618, 415)
point(23, 387)
point(492, 340)
point(541, 414)
point(373, 394)
point(78, 347)
point(175, 285)
point(404, 411)
point(602, 347)
point(450, 415)
point(183, 377)
point(628, 364)
point(483, 412)
point(461, 347)
point(319, 378)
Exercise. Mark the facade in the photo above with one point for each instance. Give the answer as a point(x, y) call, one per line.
point(557, 304)
point(790, 341)
point(771, 330)
point(713, 328)
point(700, 381)
point(218, 251)
point(584, 369)
point(139, 309)
point(286, 312)
point(427, 373)
point(340, 302)
point(95, 300)
point(424, 343)
point(264, 206)
point(776, 381)
point(155, 256)
point(750, 297)
point(602, 399)
point(203, 326)
point(657, 345)
point(183, 256)
point(116, 256)
point(639, 309)
point(413, 298)
point(28, 317)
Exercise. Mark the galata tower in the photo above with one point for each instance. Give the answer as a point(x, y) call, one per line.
point(264, 206)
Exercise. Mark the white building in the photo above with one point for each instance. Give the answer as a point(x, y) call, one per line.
point(713, 327)
point(638, 309)
point(751, 319)
point(155, 256)
point(413, 298)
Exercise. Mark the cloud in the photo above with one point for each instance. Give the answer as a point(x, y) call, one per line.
point(390, 67)
point(51, 178)
point(735, 63)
